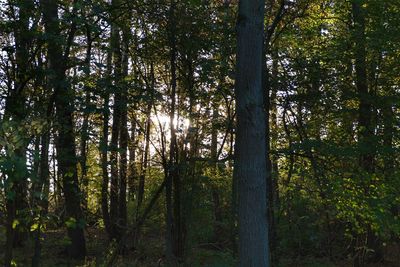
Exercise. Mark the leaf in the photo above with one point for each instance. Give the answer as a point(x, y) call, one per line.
point(34, 227)
point(195, 2)
point(15, 223)
point(71, 222)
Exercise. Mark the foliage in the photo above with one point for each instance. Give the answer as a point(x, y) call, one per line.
point(124, 58)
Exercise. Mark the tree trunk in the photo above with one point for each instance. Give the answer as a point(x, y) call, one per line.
point(15, 112)
point(365, 106)
point(85, 124)
point(215, 171)
point(66, 155)
point(250, 147)
point(115, 132)
point(104, 150)
point(272, 128)
point(42, 189)
point(41, 193)
point(388, 130)
point(132, 160)
point(171, 227)
point(366, 131)
point(146, 151)
point(123, 140)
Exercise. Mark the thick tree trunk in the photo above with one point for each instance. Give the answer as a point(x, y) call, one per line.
point(66, 155)
point(250, 147)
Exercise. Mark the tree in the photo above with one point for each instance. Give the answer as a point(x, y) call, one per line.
point(366, 127)
point(14, 119)
point(66, 152)
point(106, 104)
point(250, 148)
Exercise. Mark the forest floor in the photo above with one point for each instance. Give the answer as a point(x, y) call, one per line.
point(150, 254)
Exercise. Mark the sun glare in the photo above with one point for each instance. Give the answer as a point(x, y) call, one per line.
point(181, 124)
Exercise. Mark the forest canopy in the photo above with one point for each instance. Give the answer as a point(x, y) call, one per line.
point(199, 133)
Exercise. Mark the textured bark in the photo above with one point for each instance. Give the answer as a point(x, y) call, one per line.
point(66, 155)
point(250, 147)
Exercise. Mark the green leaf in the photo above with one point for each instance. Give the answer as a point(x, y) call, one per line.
point(15, 223)
point(71, 222)
point(34, 227)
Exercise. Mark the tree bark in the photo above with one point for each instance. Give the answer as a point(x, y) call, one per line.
point(123, 140)
point(115, 132)
point(104, 151)
point(250, 147)
point(66, 155)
